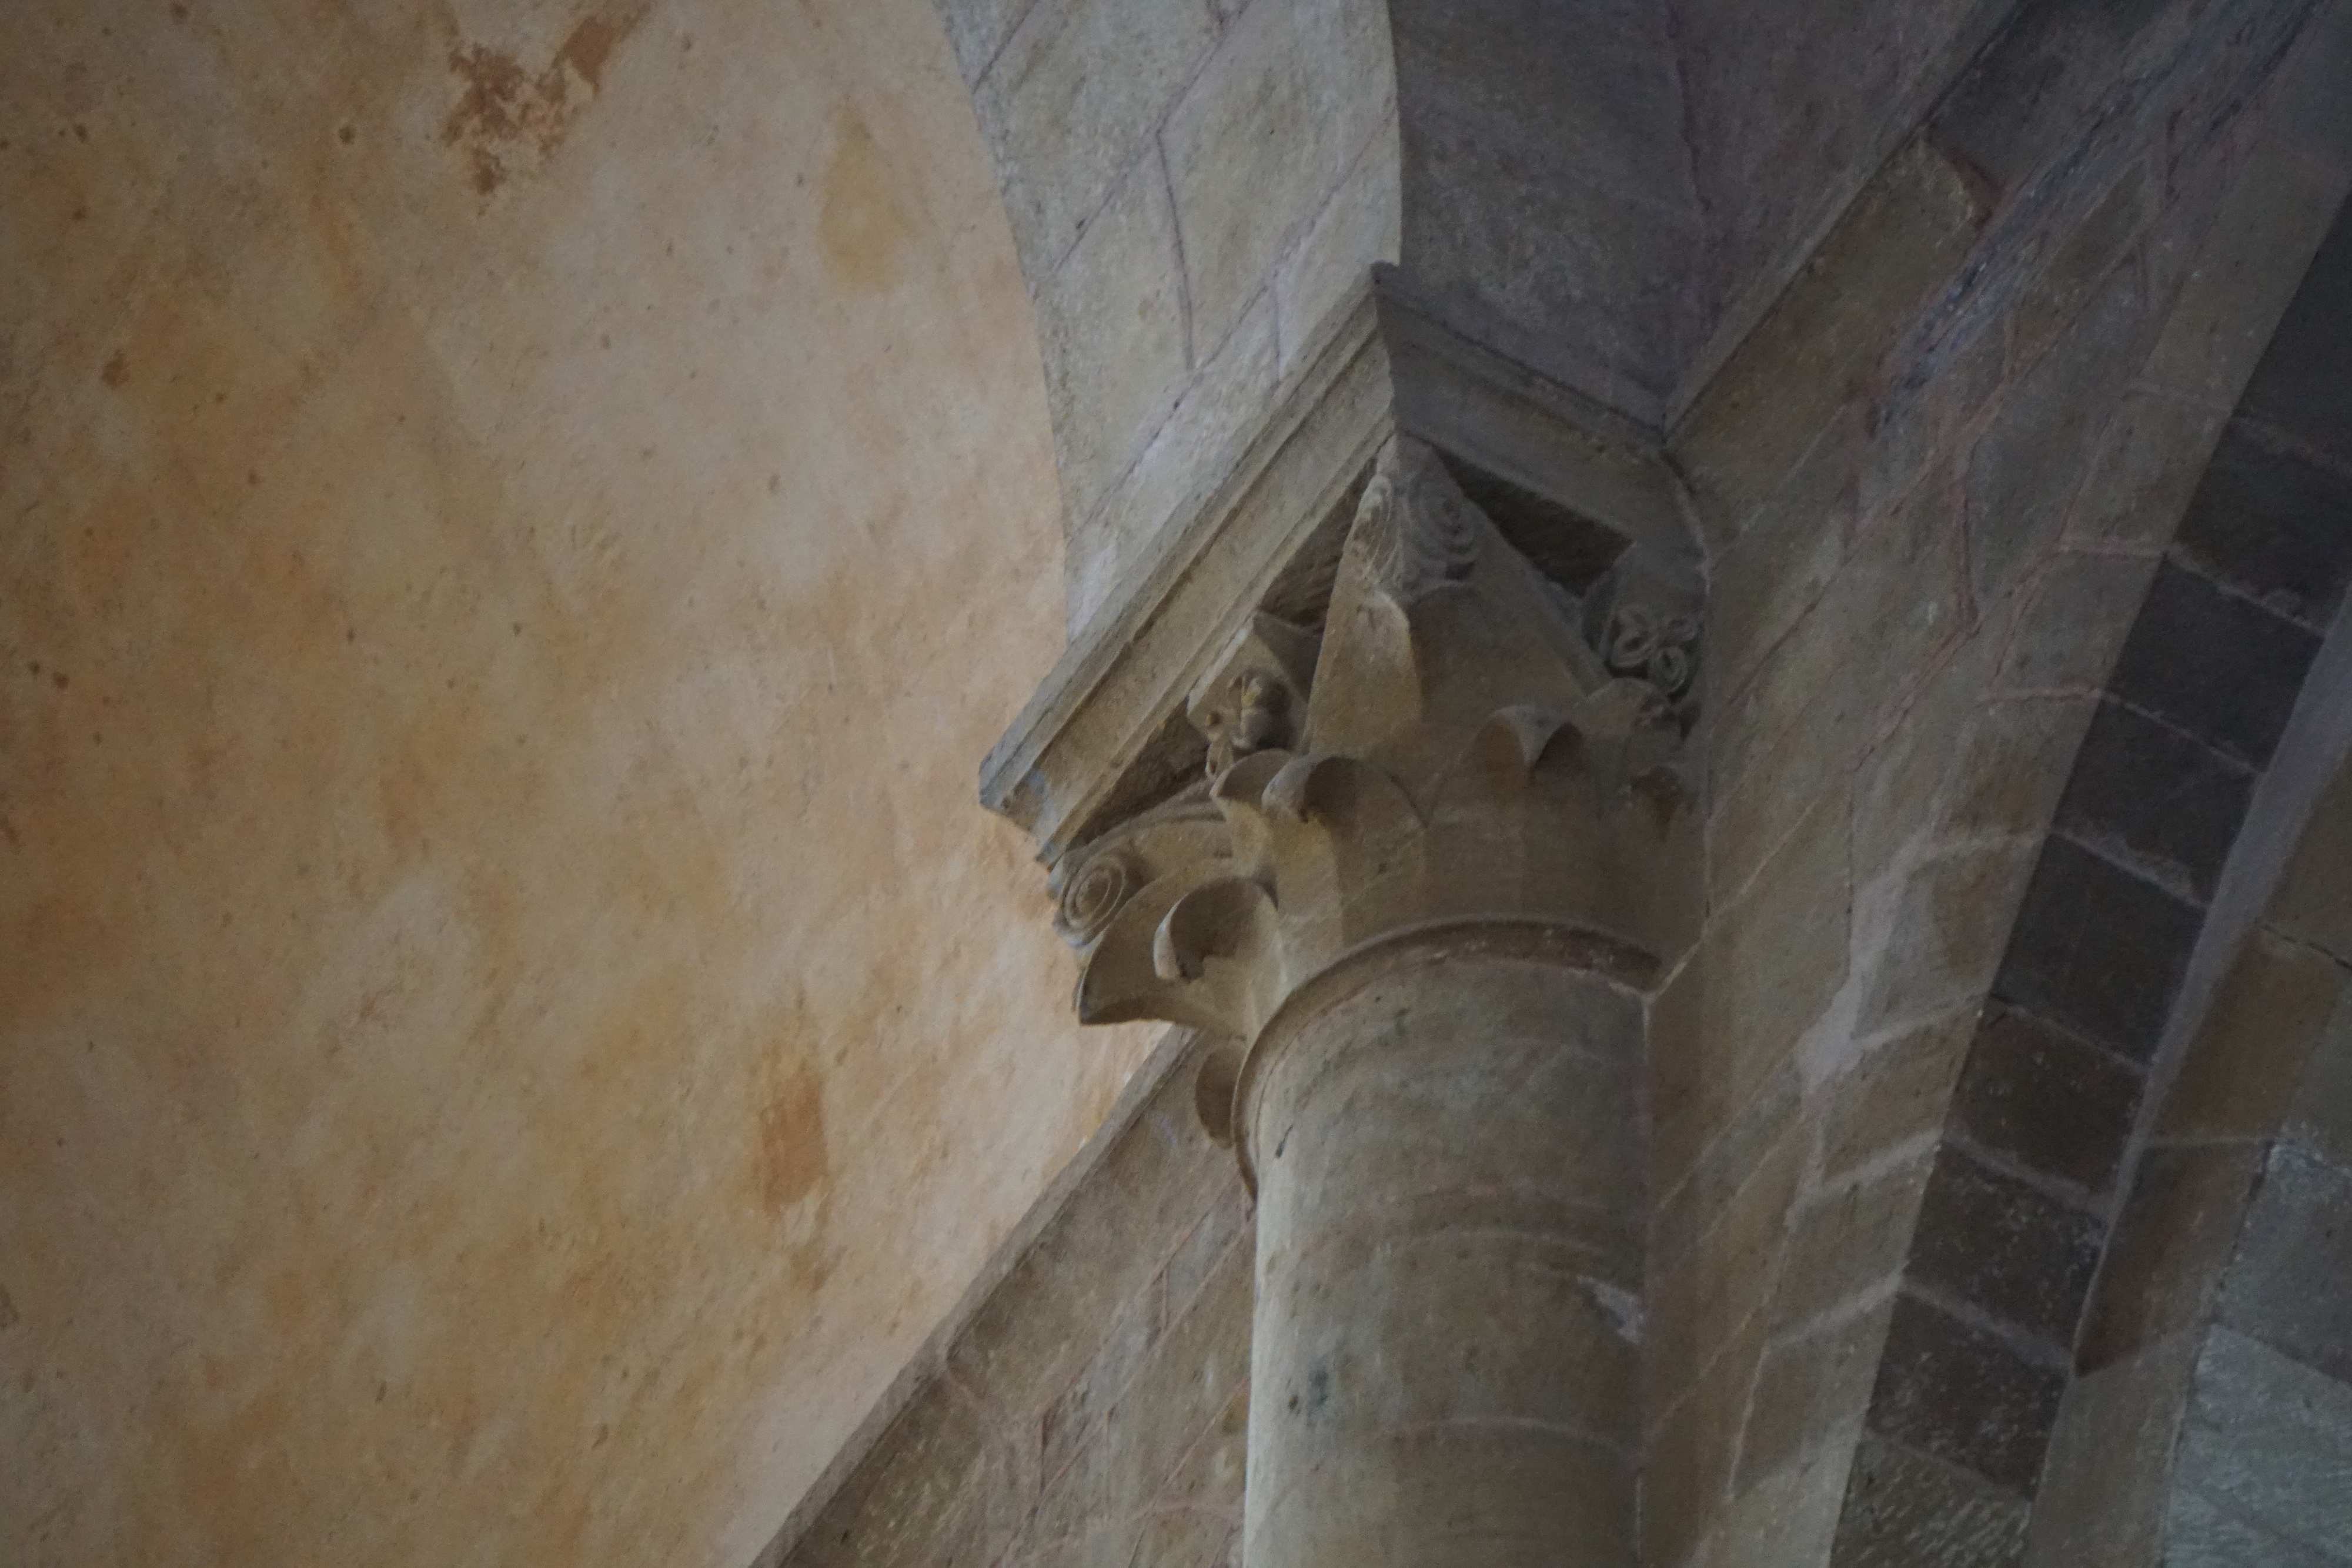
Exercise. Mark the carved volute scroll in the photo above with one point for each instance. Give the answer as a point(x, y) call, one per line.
point(1458, 753)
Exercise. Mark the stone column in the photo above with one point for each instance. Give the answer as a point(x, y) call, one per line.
point(1449, 1264)
point(1421, 890)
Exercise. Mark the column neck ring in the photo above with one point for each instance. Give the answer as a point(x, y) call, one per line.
point(1561, 943)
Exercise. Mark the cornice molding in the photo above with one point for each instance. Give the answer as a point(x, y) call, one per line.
point(1581, 492)
point(1457, 748)
point(1459, 755)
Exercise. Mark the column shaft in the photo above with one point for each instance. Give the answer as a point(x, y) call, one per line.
point(1445, 1357)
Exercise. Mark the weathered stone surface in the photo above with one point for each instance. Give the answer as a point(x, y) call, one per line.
point(1263, 137)
point(1703, 1299)
point(2290, 1286)
point(1811, 704)
point(1897, 1094)
point(1760, 1134)
point(1757, 979)
point(1784, 558)
point(1788, 1519)
point(1907, 1509)
point(2240, 1072)
point(1546, 277)
point(2046, 1099)
point(2300, 384)
point(1848, 1244)
point(1687, 1456)
point(2267, 522)
point(1813, 1385)
point(2010, 766)
point(2068, 634)
point(2068, 53)
point(1069, 1417)
point(2321, 1116)
point(1071, 105)
point(1936, 930)
point(1218, 408)
point(1357, 229)
point(2103, 1489)
point(2150, 798)
point(1902, 235)
point(2147, 465)
point(1187, 1389)
point(1102, 1369)
point(2098, 950)
point(1549, 212)
point(1906, 787)
point(2205, 1531)
point(1936, 404)
point(1098, 1258)
point(1111, 321)
point(920, 1500)
point(977, 29)
point(2023, 473)
point(2263, 1461)
point(2090, 270)
point(1975, 1399)
point(2313, 902)
point(1480, 1344)
point(1790, 108)
point(2005, 1247)
point(2236, 690)
point(2268, 227)
point(2172, 1242)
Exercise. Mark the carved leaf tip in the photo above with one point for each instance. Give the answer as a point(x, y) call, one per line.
point(1416, 530)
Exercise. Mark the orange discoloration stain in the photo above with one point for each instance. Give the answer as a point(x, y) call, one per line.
point(861, 223)
point(507, 121)
point(791, 1136)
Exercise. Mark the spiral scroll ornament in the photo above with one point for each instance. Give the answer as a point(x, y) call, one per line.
point(1421, 541)
point(1093, 896)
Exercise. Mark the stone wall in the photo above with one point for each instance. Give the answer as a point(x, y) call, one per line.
point(1789, 108)
point(1941, 485)
point(2211, 1419)
point(1938, 480)
point(2213, 1422)
point(1086, 1403)
point(1193, 186)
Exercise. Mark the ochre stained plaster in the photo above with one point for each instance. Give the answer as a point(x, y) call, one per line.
point(517, 524)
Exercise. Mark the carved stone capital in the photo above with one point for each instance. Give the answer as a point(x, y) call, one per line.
point(1452, 751)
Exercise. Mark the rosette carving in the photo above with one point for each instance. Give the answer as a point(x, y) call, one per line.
point(1415, 530)
point(1089, 899)
point(1656, 645)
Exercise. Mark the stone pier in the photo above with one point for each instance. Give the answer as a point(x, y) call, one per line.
point(1449, 1262)
point(1428, 872)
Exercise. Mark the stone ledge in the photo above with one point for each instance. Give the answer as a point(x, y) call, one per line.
point(1568, 482)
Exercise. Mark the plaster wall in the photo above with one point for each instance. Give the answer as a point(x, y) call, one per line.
point(519, 520)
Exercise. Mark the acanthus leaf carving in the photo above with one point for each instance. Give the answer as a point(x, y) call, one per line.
point(1453, 749)
point(1415, 530)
